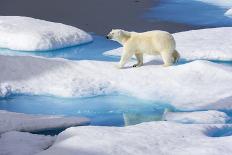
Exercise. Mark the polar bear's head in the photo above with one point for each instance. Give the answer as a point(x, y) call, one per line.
point(118, 35)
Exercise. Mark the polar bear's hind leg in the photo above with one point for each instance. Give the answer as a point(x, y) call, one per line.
point(139, 58)
point(168, 58)
point(176, 56)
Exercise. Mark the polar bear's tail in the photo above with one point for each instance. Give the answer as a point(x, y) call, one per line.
point(176, 56)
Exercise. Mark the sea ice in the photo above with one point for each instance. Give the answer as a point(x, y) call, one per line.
point(11, 121)
point(29, 34)
point(229, 13)
point(197, 117)
point(174, 85)
point(220, 3)
point(147, 138)
point(22, 143)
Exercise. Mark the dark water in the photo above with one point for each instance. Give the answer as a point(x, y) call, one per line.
point(99, 16)
point(190, 12)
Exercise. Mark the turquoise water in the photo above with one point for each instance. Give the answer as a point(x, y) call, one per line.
point(226, 63)
point(110, 110)
point(89, 51)
point(219, 132)
point(190, 12)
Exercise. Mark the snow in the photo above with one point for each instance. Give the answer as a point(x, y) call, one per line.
point(229, 13)
point(207, 44)
point(220, 3)
point(146, 138)
point(29, 34)
point(11, 121)
point(21, 143)
point(90, 78)
point(197, 117)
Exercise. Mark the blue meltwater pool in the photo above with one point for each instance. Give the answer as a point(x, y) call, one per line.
point(110, 110)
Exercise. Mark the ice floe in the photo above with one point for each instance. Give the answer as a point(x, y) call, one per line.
point(210, 44)
point(229, 13)
point(184, 86)
point(220, 3)
point(22, 143)
point(207, 44)
point(197, 117)
point(146, 138)
point(29, 34)
point(11, 121)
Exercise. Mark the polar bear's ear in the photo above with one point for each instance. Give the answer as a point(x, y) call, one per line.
point(126, 33)
point(120, 32)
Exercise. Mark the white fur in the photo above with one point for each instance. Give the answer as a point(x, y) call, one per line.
point(151, 42)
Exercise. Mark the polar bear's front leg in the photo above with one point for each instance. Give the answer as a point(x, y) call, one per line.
point(139, 58)
point(126, 55)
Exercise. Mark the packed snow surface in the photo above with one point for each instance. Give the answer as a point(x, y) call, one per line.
point(161, 138)
point(197, 117)
point(29, 34)
point(229, 13)
point(22, 143)
point(11, 121)
point(207, 44)
point(172, 85)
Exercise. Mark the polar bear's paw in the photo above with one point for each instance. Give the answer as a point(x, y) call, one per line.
point(167, 65)
point(137, 65)
point(118, 66)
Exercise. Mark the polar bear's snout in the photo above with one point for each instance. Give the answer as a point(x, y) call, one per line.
point(108, 37)
point(115, 35)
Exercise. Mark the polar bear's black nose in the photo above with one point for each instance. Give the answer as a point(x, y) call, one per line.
point(107, 37)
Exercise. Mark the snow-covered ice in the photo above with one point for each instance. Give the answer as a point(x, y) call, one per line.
point(11, 121)
point(220, 3)
point(207, 44)
point(229, 13)
point(88, 78)
point(29, 34)
point(22, 143)
point(161, 138)
point(197, 117)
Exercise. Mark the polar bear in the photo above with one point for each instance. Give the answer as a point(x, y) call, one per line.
point(150, 42)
